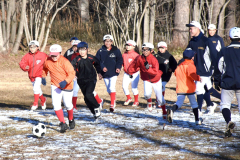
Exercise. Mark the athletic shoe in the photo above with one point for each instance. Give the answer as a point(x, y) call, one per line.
point(126, 103)
point(149, 106)
point(210, 110)
point(164, 116)
point(169, 115)
point(199, 122)
point(112, 107)
point(97, 112)
point(101, 104)
point(155, 105)
point(75, 110)
point(135, 104)
point(229, 130)
point(44, 104)
point(34, 107)
point(64, 127)
point(72, 124)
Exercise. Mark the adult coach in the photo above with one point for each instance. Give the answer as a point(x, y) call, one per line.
point(62, 74)
point(204, 60)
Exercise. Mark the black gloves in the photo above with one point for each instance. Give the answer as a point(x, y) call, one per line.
point(63, 84)
point(44, 81)
point(146, 65)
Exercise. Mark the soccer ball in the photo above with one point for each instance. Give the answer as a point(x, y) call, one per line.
point(39, 130)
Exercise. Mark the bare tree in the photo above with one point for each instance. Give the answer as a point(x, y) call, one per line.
point(231, 16)
point(84, 10)
point(146, 24)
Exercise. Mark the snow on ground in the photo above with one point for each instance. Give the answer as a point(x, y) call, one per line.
point(129, 133)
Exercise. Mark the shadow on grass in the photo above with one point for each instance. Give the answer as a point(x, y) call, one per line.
point(18, 106)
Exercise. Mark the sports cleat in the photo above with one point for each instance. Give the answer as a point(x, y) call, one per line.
point(164, 116)
point(112, 107)
point(72, 124)
point(97, 112)
point(135, 104)
point(63, 126)
point(149, 106)
point(101, 104)
point(75, 110)
point(34, 107)
point(229, 130)
point(126, 103)
point(210, 110)
point(44, 104)
point(199, 122)
point(169, 115)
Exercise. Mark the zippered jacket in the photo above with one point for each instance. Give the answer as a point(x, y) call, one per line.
point(35, 62)
point(217, 42)
point(153, 74)
point(111, 59)
point(128, 58)
point(68, 54)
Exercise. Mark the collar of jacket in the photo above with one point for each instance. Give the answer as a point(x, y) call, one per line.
point(197, 37)
point(166, 52)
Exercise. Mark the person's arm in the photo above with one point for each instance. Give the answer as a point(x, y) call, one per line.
point(23, 64)
point(119, 60)
point(155, 67)
point(192, 72)
point(96, 64)
point(172, 63)
point(134, 65)
point(45, 70)
point(70, 71)
point(74, 62)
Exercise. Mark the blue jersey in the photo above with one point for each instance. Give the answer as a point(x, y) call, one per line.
point(111, 59)
point(217, 42)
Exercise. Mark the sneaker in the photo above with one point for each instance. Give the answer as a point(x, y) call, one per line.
point(97, 112)
point(34, 107)
point(149, 106)
point(112, 107)
point(126, 103)
point(210, 110)
point(75, 110)
point(199, 122)
point(155, 105)
point(169, 115)
point(229, 130)
point(101, 104)
point(135, 104)
point(72, 124)
point(64, 127)
point(44, 104)
point(164, 116)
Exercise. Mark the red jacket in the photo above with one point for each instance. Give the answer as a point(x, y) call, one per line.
point(128, 58)
point(153, 74)
point(35, 62)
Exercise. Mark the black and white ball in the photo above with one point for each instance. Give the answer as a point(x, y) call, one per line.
point(39, 130)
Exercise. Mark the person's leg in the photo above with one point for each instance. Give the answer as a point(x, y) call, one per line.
point(37, 92)
point(75, 94)
point(112, 88)
point(125, 84)
point(135, 81)
point(176, 106)
point(237, 92)
point(194, 106)
point(200, 92)
point(148, 93)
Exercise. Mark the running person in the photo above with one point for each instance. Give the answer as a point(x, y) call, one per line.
point(230, 83)
point(62, 74)
point(128, 57)
point(150, 74)
point(70, 51)
point(32, 62)
point(87, 77)
point(111, 61)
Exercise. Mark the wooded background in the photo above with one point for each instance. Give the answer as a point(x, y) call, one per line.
point(140, 20)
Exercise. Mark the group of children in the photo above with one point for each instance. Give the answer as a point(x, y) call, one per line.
point(78, 70)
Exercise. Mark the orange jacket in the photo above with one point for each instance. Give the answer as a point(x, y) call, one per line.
point(186, 75)
point(59, 71)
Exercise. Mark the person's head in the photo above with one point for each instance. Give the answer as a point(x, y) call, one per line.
point(33, 46)
point(55, 52)
point(212, 30)
point(188, 54)
point(73, 39)
point(234, 34)
point(108, 41)
point(162, 47)
point(147, 49)
point(194, 28)
point(82, 49)
point(130, 45)
point(74, 45)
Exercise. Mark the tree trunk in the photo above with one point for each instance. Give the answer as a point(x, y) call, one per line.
point(231, 18)
point(181, 18)
point(20, 28)
point(2, 48)
point(84, 8)
point(146, 24)
point(3, 22)
point(221, 20)
point(152, 21)
point(14, 24)
point(217, 5)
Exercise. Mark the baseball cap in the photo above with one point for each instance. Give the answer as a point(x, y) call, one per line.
point(33, 42)
point(55, 49)
point(75, 42)
point(82, 44)
point(73, 38)
point(188, 53)
point(149, 45)
point(162, 44)
point(131, 43)
point(194, 24)
point(107, 36)
point(234, 32)
point(211, 26)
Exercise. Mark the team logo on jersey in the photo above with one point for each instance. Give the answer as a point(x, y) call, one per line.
point(38, 61)
point(214, 42)
point(130, 60)
point(112, 55)
point(150, 65)
point(166, 61)
point(202, 48)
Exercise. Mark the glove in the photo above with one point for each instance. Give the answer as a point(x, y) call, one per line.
point(44, 81)
point(131, 76)
point(217, 86)
point(146, 65)
point(63, 84)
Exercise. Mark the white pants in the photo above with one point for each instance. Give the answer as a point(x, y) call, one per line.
point(227, 97)
point(75, 88)
point(111, 84)
point(58, 95)
point(163, 86)
point(37, 86)
point(127, 80)
point(200, 85)
point(157, 87)
point(191, 97)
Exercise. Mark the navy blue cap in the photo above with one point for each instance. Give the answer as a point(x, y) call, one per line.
point(73, 38)
point(188, 53)
point(82, 44)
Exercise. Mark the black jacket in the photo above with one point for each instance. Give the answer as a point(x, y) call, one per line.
point(166, 61)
